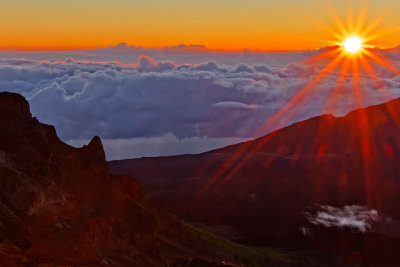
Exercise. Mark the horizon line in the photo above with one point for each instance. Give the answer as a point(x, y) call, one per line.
point(179, 47)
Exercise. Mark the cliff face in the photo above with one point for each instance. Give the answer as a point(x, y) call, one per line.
point(60, 206)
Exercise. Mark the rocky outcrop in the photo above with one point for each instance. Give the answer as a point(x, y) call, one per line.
point(15, 105)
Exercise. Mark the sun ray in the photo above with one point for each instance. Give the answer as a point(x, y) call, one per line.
point(246, 147)
point(338, 86)
point(362, 130)
point(336, 20)
point(370, 70)
point(350, 18)
point(362, 16)
point(380, 34)
point(272, 122)
point(381, 62)
point(333, 32)
point(317, 59)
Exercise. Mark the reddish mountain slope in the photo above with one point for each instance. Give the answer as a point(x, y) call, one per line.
point(267, 188)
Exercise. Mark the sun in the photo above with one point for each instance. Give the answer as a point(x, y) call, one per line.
point(353, 44)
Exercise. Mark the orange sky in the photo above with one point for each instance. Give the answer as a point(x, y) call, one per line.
point(218, 24)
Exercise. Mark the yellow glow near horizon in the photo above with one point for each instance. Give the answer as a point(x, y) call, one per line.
point(219, 25)
point(353, 44)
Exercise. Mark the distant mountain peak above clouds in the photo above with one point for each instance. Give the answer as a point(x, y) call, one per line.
point(176, 48)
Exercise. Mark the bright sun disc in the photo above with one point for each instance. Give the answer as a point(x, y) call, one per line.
point(352, 44)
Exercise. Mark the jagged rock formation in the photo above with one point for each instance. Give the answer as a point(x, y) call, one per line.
point(60, 206)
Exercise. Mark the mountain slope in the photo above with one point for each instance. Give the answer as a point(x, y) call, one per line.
point(59, 206)
point(273, 189)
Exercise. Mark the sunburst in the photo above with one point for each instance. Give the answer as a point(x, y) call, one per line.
point(350, 52)
point(353, 44)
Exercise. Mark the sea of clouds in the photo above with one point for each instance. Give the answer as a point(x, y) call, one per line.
point(151, 108)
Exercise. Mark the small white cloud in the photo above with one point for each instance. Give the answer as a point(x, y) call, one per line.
point(235, 105)
point(354, 217)
point(305, 231)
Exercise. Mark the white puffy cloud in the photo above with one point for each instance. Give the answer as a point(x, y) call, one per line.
point(149, 99)
point(355, 217)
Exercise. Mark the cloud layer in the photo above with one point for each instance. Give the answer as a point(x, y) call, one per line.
point(152, 99)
